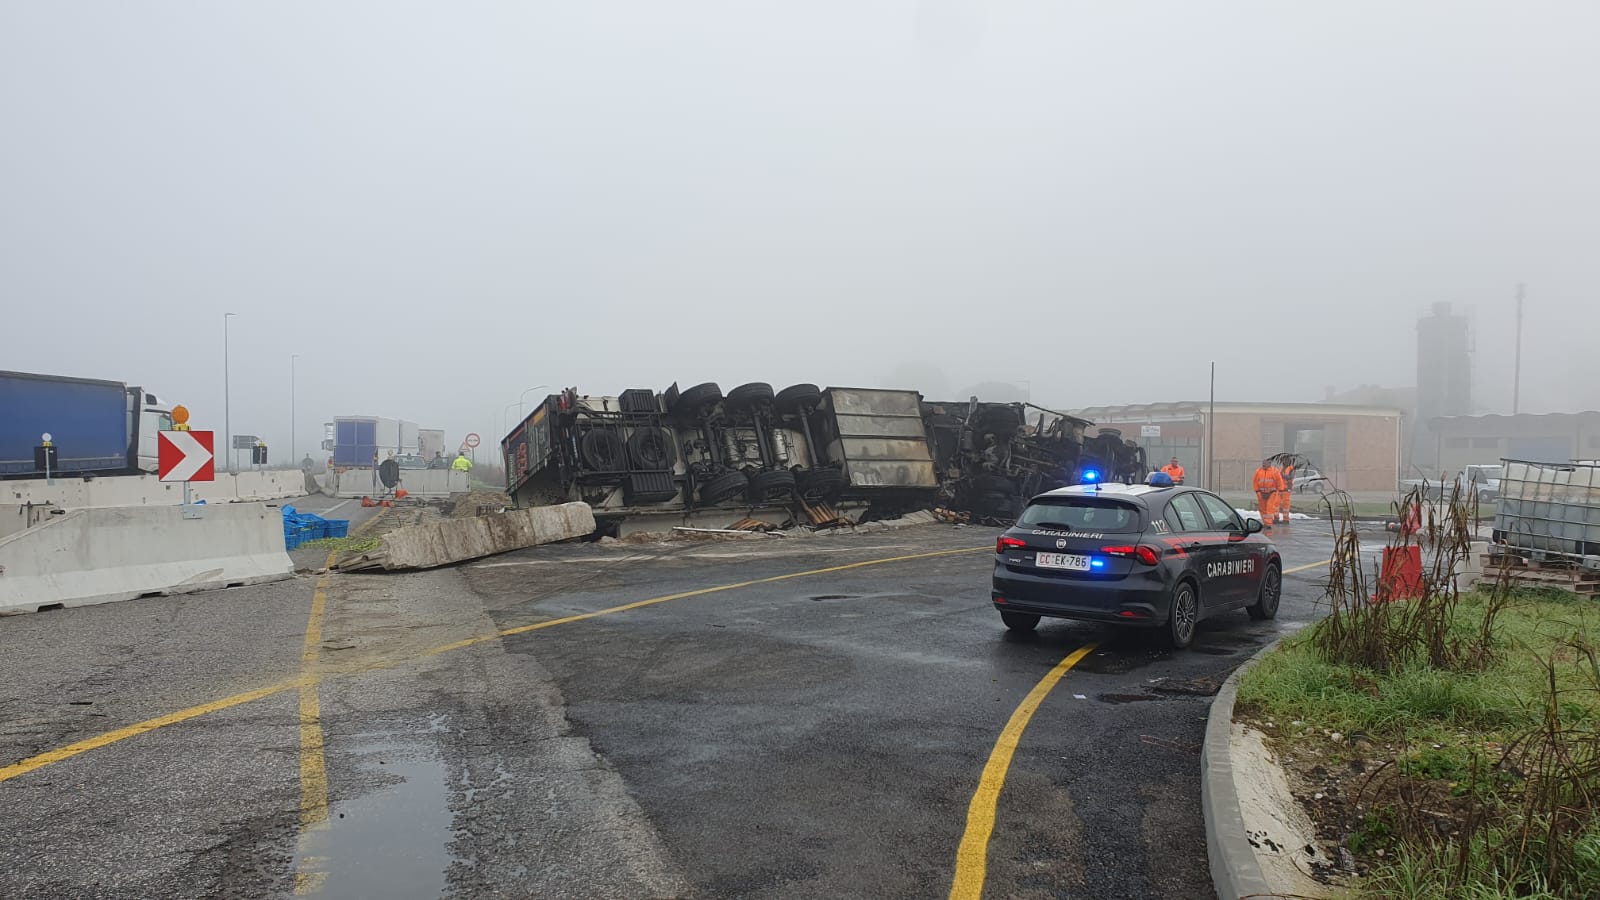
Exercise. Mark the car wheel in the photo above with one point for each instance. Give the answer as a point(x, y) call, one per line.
point(722, 487)
point(795, 398)
point(1485, 498)
point(771, 485)
point(1266, 605)
point(1183, 618)
point(1020, 621)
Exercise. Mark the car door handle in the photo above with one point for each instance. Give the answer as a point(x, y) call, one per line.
point(1192, 546)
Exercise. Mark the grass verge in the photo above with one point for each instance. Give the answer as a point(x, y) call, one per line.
point(1443, 783)
point(354, 544)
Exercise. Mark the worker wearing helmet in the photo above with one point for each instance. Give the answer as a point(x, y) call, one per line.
point(461, 464)
point(1267, 482)
point(1174, 470)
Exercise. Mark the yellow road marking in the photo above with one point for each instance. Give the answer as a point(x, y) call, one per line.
point(121, 734)
point(111, 737)
point(313, 760)
point(972, 857)
point(1306, 567)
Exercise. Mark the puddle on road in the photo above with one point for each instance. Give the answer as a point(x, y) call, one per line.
point(392, 841)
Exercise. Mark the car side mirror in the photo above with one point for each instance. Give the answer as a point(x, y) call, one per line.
point(1252, 526)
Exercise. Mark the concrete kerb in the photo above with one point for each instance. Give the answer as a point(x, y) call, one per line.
point(1235, 872)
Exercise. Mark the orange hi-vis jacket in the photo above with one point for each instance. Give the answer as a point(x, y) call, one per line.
point(1173, 472)
point(1268, 481)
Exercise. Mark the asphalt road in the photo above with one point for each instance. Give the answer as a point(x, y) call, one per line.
point(502, 729)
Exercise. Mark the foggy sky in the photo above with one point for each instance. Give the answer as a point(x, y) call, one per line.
point(439, 205)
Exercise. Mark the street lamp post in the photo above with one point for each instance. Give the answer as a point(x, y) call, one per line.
point(293, 450)
point(526, 393)
point(505, 426)
point(227, 396)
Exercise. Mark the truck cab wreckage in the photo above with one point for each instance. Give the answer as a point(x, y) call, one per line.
point(698, 457)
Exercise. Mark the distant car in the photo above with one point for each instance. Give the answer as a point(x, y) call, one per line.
point(1144, 556)
point(1310, 481)
point(1481, 481)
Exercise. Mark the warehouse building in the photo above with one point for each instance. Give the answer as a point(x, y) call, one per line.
point(1358, 447)
point(1475, 440)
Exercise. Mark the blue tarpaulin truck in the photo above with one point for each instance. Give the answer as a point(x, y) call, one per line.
point(97, 427)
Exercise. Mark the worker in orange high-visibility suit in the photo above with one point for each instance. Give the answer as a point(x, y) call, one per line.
point(1267, 482)
point(1287, 493)
point(1174, 471)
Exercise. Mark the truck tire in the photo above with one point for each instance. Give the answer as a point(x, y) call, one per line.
point(1001, 421)
point(748, 396)
point(603, 451)
point(820, 485)
point(652, 448)
point(771, 486)
point(722, 487)
point(694, 401)
point(797, 397)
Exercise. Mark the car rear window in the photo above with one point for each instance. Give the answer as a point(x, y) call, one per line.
point(1081, 514)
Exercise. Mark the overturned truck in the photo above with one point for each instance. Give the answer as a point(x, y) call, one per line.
point(703, 458)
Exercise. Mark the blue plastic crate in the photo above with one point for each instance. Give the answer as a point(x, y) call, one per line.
point(338, 528)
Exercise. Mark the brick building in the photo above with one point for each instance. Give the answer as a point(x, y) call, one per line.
point(1358, 447)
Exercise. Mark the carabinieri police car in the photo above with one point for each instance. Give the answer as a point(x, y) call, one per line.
point(1151, 555)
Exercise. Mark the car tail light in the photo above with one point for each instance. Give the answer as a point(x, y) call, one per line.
point(1003, 543)
point(1142, 553)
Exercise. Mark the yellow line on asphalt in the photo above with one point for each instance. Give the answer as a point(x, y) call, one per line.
point(121, 734)
point(1306, 567)
point(972, 857)
point(551, 623)
point(111, 737)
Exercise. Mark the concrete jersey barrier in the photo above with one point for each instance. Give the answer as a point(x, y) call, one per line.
point(89, 556)
point(147, 490)
point(457, 540)
point(421, 483)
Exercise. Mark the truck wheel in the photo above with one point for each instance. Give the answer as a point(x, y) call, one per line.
point(1001, 421)
point(651, 448)
point(694, 401)
point(795, 398)
point(603, 451)
point(722, 487)
point(771, 485)
point(821, 485)
point(748, 396)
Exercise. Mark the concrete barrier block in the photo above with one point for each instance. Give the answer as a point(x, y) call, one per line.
point(102, 555)
point(148, 490)
point(457, 540)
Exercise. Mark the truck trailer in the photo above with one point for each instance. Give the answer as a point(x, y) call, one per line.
point(96, 427)
point(702, 458)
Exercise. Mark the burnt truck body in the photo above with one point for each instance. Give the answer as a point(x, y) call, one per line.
point(701, 457)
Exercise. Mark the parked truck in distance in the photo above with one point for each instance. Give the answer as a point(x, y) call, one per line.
point(96, 427)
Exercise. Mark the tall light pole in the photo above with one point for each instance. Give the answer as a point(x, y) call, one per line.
point(1516, 372)
point(505, 428)
point(227, 395)
point(293, 450)
point(525, 394)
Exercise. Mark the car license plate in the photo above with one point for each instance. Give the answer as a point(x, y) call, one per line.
point(1062, 561)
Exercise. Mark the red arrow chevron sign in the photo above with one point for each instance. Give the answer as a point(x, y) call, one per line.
point(186, 456)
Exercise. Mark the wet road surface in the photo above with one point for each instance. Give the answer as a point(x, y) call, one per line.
point(750, 734)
